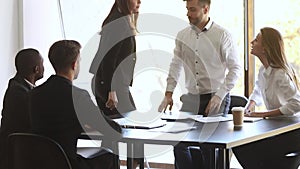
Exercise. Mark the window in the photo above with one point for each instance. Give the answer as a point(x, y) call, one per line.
point(159, 22)
point(151, 79)
point(283, 17)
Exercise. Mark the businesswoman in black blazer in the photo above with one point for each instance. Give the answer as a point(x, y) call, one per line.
point(115, 59)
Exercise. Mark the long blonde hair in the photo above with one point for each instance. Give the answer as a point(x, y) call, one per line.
point(273, 44)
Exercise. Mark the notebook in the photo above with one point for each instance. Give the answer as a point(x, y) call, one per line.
point(252, 119)
point(128, 123)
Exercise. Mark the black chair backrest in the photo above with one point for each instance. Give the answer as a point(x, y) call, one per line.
point(237, 101)
point(32, 151)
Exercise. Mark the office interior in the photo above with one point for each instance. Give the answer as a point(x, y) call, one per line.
point(37, 24)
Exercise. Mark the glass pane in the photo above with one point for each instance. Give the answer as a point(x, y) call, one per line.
point(233, 21)
point(159, 22)
point(283, 17)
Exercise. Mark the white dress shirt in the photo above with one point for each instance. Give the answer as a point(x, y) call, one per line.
point(276, 89)
point(30, 84)
point(209, 58)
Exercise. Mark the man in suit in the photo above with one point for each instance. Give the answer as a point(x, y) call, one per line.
point(15, 115)
point(60, 110)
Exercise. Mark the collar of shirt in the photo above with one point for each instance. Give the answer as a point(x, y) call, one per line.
point(30, 84)
point(267, 71)
point(206, 27)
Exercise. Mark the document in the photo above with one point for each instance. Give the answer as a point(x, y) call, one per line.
point(173, 116)
point(175, 127)
point(248, 119)
point(213, 119)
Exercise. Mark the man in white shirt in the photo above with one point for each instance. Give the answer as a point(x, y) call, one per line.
point(211, 64)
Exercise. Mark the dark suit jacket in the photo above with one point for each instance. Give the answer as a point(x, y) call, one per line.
point(15, 116)
point(59, 110)
point(114, 62)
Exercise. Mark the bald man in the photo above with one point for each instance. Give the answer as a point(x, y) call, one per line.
point(15, 116)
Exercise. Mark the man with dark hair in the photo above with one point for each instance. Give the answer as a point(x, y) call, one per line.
point(60, 110)
point(211, 65)
point(15, 115)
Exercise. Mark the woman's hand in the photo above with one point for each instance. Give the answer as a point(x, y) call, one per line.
point(270, 113)
point(255, 114)
point(112, 100)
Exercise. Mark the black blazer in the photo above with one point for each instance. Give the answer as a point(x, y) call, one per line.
point(15, 115)
point(114, 62)
point(59, 110)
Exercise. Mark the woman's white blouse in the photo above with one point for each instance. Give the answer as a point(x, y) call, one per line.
point(277, 90)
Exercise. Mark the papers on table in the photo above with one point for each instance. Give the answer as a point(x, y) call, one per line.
point(200, 118)
point(252, 119)
point(226, 118)
point(189, 116)
point(248, 119)
point(179, 116)
point(213, 119)
point(175, 128)
point(143, 123)
point(129, 123)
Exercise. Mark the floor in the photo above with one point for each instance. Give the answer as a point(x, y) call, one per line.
point(157, 156)
point(168, 158)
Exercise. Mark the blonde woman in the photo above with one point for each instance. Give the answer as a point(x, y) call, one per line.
point(278, 88)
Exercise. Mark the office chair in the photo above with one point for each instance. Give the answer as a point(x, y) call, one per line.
point(289, 160)
point(237, 101)
point(292, 159)
point(32, 151)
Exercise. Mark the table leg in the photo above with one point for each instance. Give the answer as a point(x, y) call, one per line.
point(140, 154)
point(131, 156)
point(115, 149)
point(141, 160)
point(223, 160)
point(211, 161)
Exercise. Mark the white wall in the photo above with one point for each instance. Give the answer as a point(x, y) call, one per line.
point(41, 28)
point(24, 24)
point(36, 24)
point(9, 44)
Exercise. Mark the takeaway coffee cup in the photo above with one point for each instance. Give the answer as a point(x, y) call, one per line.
point(238, 116)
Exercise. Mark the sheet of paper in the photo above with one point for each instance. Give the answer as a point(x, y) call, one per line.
point(248, 119)
point(213, 119)
point(179, 116)
point(174, 128)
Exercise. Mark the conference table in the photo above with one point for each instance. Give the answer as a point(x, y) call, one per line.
point(219, 136)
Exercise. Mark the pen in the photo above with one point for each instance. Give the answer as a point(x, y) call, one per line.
point(141, 127)
point(164, 110)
